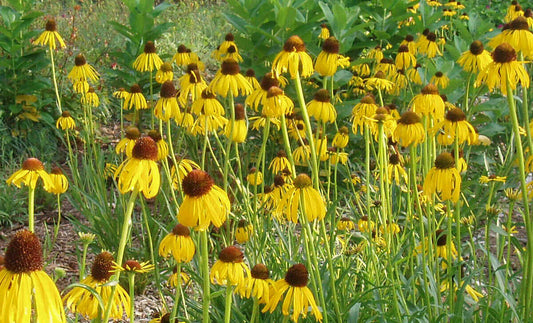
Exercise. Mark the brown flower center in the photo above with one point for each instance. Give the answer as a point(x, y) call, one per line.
point(80, 60)
point(167, 90)
point(302, 181)
point(504, 53)
point(145, 148)
point(331, 45)
point(441, 237)
point(206, 94)
point(197, 183)
point(260, 271)
point(476, 48)
point(240, 114)
point(250, 72)
point(269, 81)
point(438, 74)
point(430, 89)
point(182, 49)
point(231, 254)
point(232, 49)
point(322, 95)
point(455, 115)
point(102, 266)
point(181, 230)
point(409, 38)
point(155, 135)
point(149, 47)
point(368, 99)
point(135, 88)
point(24, 253)
point(294, 43)
point(394, 159)
point(409, 117)
point(32, 164)
point(444, 161)
point(56, 171)
point(230, 67)
point(132, 265)
point(133, 133)
point(403, 49)
point(431, 37)
point(194, 76)
point(229, 37)
point(279, 180)
point(65, 114)
point(51, 25)
point(166, 67)
point(297, 276)
point(344, 130)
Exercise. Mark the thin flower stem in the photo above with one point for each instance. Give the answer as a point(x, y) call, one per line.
point(131, 283)
point(174, 314)
point(457, 210)
point(58, 98)
point(121, 248)
point(367, 171)
point(333, 275)
point(287, 144)
point(206, 297)
point(83, 260)
point(31, 209)
point(56, 226)
point(229, 301)
point(255, 311)
point(152, 115)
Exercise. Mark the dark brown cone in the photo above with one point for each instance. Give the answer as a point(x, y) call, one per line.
point(132, 264)
point(403, 49)
point(294, 43)
point(135, 88)
point(394, 159)
point(476, 47)
point(166, 67)
point(240, 114)
point(504, 53)
point(32, 164)
point(56, 171)
point(65, 114)
point(182, 49)
point(181, 230)
point(260, 271)
point(455, 115)
point(269, 81)
point(102, 267)
point(133, 133)
point(274, 91)
point(24, 253)
point(155, 135)
point(250, 72)
point(444, 161)
point(80, 60)
point(168, 90)
point(197, 183)
point(149, 47)
point(322, 95)
point(229, 37)
point(297, 276)
point(331, 45)
point(431, 37)
point(145, 148)
point(230, 67)
point(302, 181)
point(231, 254)
point(409, 117)
point(430, 89)
point(409, 38)
point(206, 94)
point(279, 180)
point(441, 237)
point(51, 25)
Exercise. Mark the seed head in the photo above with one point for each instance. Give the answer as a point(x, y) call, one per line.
point(32, 164)
point(102, 266)
point(145, 148)
point(297, 276)
point(197, 183)
point(231, 254)
point(24, 253)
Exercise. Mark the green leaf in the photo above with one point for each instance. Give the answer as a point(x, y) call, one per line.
point(8, 15)
point(160, 8)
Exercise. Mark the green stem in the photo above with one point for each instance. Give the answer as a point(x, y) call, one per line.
point(56, 228)
point(83, 261)
point(55, 81)
point(131, 282)
point(31, 209)
point(174, 315)
point(206, 300)
point(287, 144)
point(255, 311)
point(229, 301)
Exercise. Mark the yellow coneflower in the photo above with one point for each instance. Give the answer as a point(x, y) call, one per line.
point(461, 166)
point(443, 179)
point(442, 247)
point(229, 40)
point(244, 231)
point(120, 93)
point(80, 87)
point(229, 79)
point(409, 130)
point(382, 117)
point(140, 172)
point(65, 122)
point(455, 124)
point(259, 95)
point(49, 36)
point(59, 181)
point(345, 224)
point(379, 82)
point(336, 156)
point(475, 59)
point(440, 80)
point(302, 193)
point(324, 32)
point(517, 34)
point(238, 129)
point(164, 73)
point(296, 126)
point(182, 58)
point(80, 300)
point(365, 225)
point(405, 58)
point(27, 293)
point(133, 266)
point(387, 66)
point(254, 177)
point(363, 69)
point(389, 228)
point(185, 166)
point(179, 244)
point(148, 60)
point(232, 52)
point(204, 202)
point(90, 98)
point(513, 11)
point(503, 69)
point(230, 269)
point(484, 179)
point(207, 104)
point(376, 53)
point(302, 153)
point(279, 163)
point(173, 279)
point(413, 75)
point(321, 108)
point(135, 99)
point(430, 48)
point(192, 84)
point(429, 103)
point(362, 112)
point(208, 124)
point(277, 103)
point(393, 110)
point(258, 285)
point(162, 146)
point(293, 59)
point(127, 143)
point(433, 3)
point(451, 3)
point(167, 106)
point(395, 171)
point(250, 77)
point(32, 169)
point(341, 138)
point(528, 14)
point(409, 41)
point(82, 71)
point(328, 59)
point(298, 297)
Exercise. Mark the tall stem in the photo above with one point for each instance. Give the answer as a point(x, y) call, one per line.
point(131, 283)
point(31, 208)
point(58, 98)
point(205, 277)
point(174, 315)
point(229, 301)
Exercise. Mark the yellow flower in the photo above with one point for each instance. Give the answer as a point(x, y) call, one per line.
point(395, 171)
point(321, 108)
point(182, 56)
point(429, 103)
point(32, 170)
point(258, 285)
point(279, 163)
point(238, 129)
point(164, 73)
point(80, 87)
point(82, 71)
point(250, 77)
point(455, 124)
point(345, 224)
point(362, 112)
point(324, 32)
point(148, 60)
point(405, 58)
point(230, 269)
point(135, 99)
point(140, 172)
point(492, 178)
point(341, 138)
point(298, 297)
point(376, 53)
point(207, 104)
point(516, 34)
point(162, 146)
point(413, 75)
point(65, 121)
point(229, 79)
point(167, 106)
point(178, 243)
point(120, 93)
point(244, 231)
point(364, 225)
point(90, 98)
point(59, 181)
point(429, 47)
point(204, 202)
point(133, 266)
point(259, 95)
point(443, 178)
point(173, 279)
point(27, 293)
point(475, 59)
point(329, 59)
point(192, 84)
point(277, 103)
point(379, 82)
point(337, 156)
point(504, 69)
point(49, 36)
point(254, 177)
point(409, 41)
point(127, 143)
point(229, 40)
point(82, 301)
point(440, 80)
point(293, 59)
point(302, 193)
